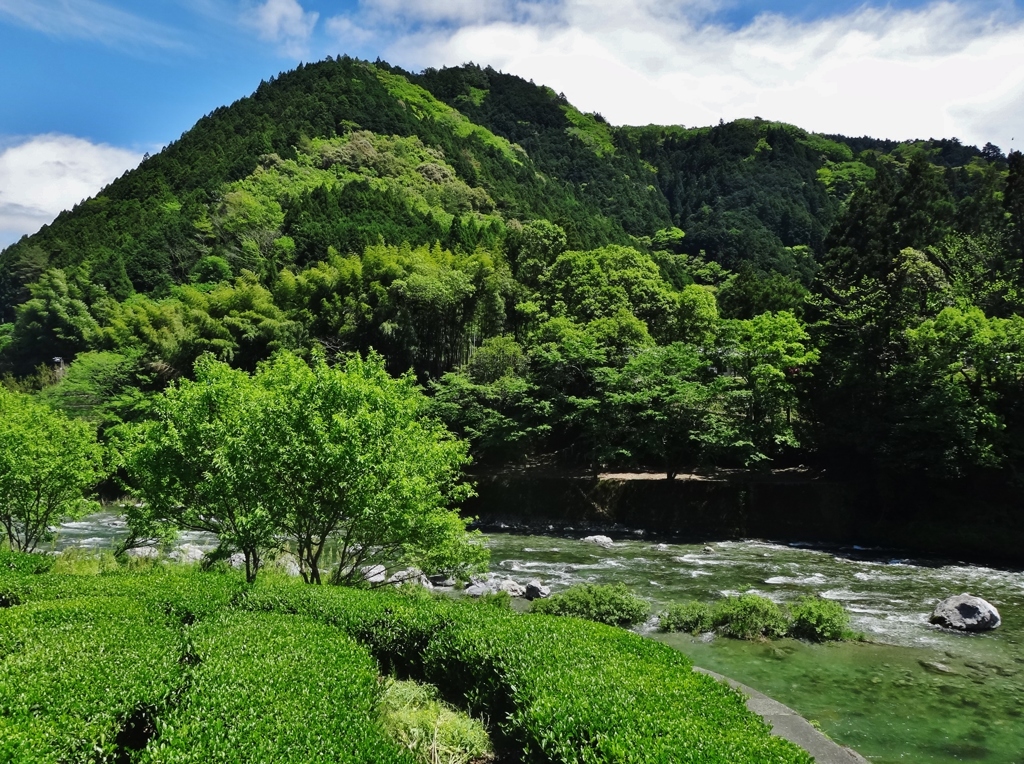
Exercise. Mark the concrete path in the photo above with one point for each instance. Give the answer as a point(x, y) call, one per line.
point(788, 724)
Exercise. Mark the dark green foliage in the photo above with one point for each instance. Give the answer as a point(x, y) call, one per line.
point(556, 690)
point(612, 604)
point(819, 620)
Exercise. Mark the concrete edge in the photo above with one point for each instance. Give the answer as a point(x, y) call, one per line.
point(789, 725)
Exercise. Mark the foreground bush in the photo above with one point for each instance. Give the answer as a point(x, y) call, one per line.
point(750, 617)
point(78, 678)
point(276, 688)
point(282, 672)
point(693, 617)
point(611, 604)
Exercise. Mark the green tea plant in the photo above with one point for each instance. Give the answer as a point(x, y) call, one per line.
point(276, 688)
point(612, 604)
point(78, 678)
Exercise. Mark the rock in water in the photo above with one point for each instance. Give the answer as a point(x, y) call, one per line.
point(600, 541)
point(478, 590)
point(536, 591)
point(965, 612)
point(514, 588)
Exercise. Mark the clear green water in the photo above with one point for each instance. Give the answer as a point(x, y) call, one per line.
point(879, 698)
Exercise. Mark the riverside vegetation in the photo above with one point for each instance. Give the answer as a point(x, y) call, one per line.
point(175, 665)
point(293, 328)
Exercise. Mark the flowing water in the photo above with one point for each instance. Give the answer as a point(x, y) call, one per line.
point(913, 693)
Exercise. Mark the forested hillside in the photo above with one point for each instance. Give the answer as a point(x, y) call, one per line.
point(666, 297)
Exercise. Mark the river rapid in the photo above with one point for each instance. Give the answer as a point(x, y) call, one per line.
point(912, 693)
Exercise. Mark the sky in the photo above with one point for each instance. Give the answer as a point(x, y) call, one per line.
point(89, 86)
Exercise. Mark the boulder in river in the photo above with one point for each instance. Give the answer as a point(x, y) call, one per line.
point(514, 588)
point(478, 590)
point(600, 541)
point(537, 591)
point(965, 612)
point(374, 574)
point(410, 575)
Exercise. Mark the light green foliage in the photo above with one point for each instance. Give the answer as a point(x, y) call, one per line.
point(693, 617)
point(424, 106)
point(595, 134)
point(74, 672)
point(432, 730)
point(48, 465)
point(819, 620)
point(345, 455)
point(750, 616)
point(768, 354)
point(197, 464)
point(101, 386)
point(274, 688)
point(612, 604)
point(310, 455)
point(598, 284)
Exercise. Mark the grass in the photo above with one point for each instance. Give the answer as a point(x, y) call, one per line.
point(434, 731)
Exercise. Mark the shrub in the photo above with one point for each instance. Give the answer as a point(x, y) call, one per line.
point(819, 620)
point(694, 617)
point(611, 604)
point(78, 678)
point(276, 688)
point(25, 563)
point(750, 617)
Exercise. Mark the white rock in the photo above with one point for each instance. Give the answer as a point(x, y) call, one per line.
point(603, 541)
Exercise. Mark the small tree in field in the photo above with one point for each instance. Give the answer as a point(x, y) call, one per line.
point(317, 456)
point(48, 464)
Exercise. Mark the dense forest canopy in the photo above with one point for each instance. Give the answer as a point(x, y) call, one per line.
point(631, 296)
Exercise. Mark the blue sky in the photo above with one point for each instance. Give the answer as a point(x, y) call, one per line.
point(90, 85)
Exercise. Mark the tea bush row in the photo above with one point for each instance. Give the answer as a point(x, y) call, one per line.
point(280, 672)
point(751, 617)
point(77, 675)
point(276, 688)
point(556, 689)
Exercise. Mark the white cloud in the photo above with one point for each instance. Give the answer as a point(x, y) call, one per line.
point(91, 20)
point(286, 23)
point(945, 69)
point(46, 174)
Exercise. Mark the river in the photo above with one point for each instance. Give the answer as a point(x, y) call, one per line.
point(912, 693)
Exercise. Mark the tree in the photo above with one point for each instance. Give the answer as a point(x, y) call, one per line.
point(311, 456)
point(351, 460)
point(197, 465)
point(48, 465)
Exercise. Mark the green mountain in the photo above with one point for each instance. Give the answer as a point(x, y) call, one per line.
point(613, 295)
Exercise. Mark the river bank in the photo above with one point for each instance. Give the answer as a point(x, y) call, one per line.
point(974, 522)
